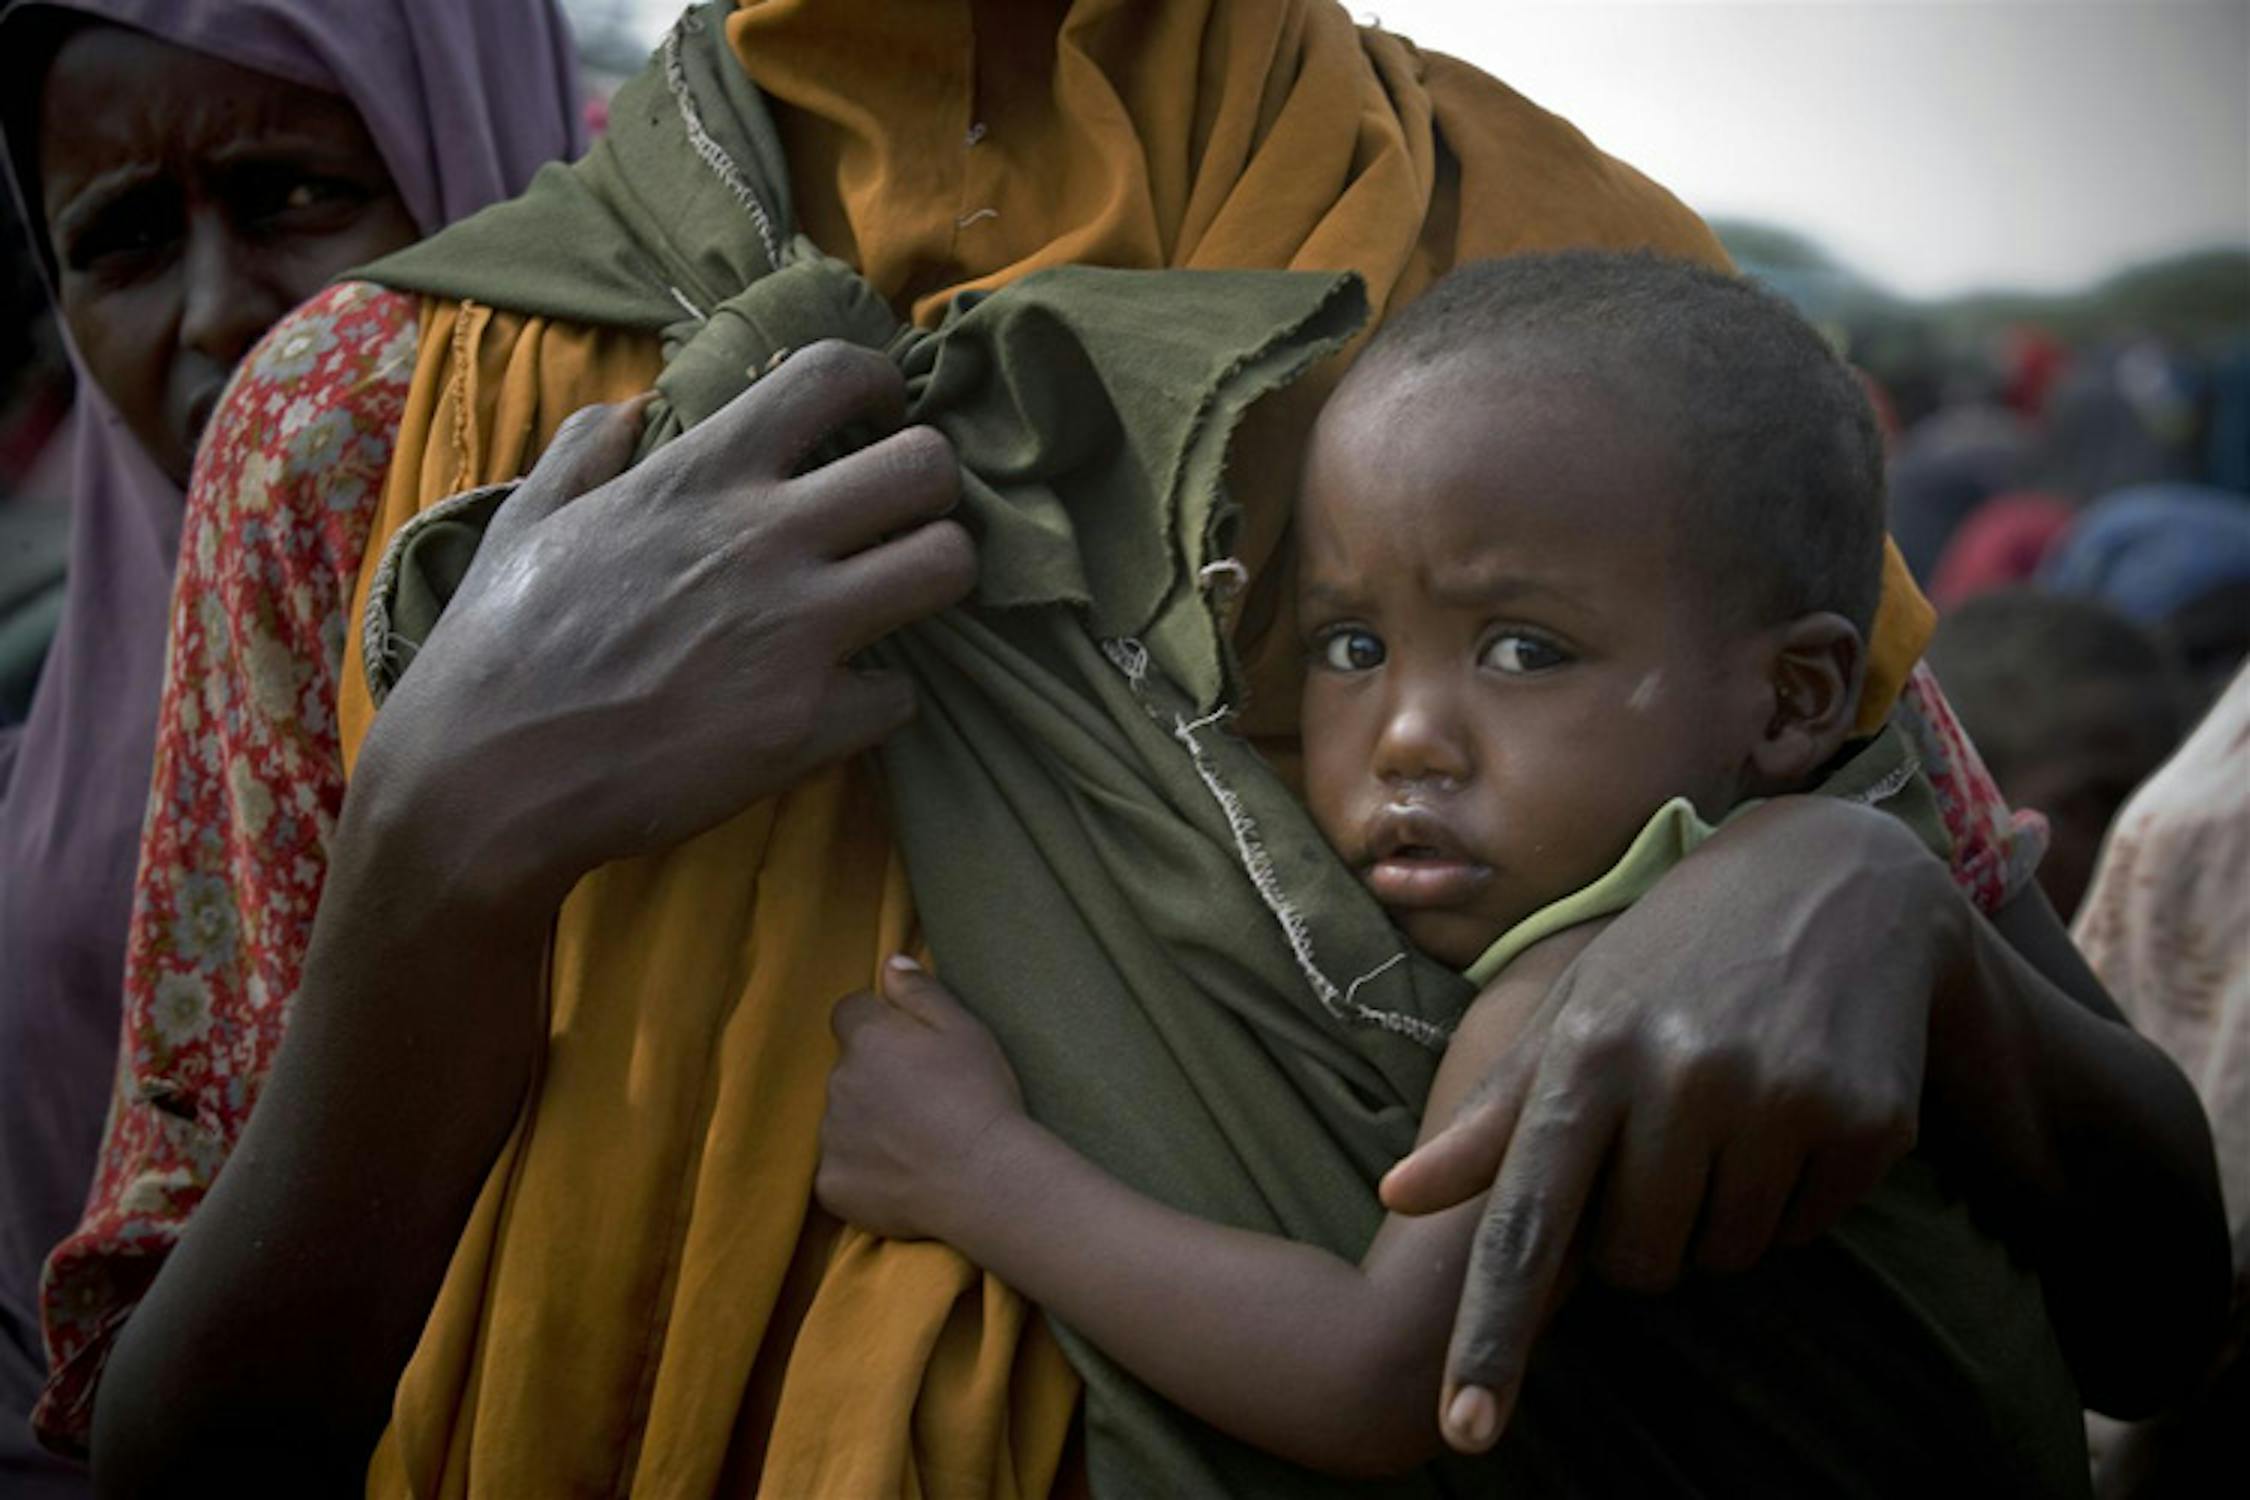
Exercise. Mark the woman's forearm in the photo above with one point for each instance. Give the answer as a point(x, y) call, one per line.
point(1279, 1344)
point(516, 755)
point(266, 1352)
point(2094, 1151)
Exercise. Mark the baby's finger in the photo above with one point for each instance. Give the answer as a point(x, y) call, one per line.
point(852, 1015)
point(908, 986)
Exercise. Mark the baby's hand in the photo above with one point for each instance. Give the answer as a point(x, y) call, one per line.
point(918, 1090)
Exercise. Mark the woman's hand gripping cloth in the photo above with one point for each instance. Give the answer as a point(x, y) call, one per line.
point(704, 1331)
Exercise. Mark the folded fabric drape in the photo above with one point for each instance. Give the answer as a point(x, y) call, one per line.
point(702, 1328)
point(1074, 815)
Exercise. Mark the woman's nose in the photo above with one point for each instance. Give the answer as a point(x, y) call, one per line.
point(224, 304)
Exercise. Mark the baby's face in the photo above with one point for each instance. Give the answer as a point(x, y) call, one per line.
point(1508, 671)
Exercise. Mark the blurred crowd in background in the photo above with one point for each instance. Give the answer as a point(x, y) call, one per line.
point(2070, 482)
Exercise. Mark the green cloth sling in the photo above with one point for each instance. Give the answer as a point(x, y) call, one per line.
point(1079, 828)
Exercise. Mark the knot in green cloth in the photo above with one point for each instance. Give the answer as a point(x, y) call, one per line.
point(1090, 410)
point(711, 359)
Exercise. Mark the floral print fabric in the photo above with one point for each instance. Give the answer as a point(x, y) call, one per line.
point(1995, 851)
point(249, 780)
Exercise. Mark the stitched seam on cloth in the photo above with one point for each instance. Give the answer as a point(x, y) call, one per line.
point(693, 311)
point(707, 150)
point(1251, 849)
point(378, 648)
point(464, 455)
point(1894, 782)
point(375, 627)
point(1131, 658)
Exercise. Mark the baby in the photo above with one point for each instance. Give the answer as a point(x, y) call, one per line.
point(1590, 546)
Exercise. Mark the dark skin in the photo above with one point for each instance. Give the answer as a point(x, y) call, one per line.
point(1667, 1116)
point(417, 1026)
point(265, 1354)
point(2068, 1131)
point(189, 204)
point(1508, 672)
point(1501, 688)
point(1518, 523)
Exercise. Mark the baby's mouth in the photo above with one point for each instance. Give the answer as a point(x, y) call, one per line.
point(1415, 863)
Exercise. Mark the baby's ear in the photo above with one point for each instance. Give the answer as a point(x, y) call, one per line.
point(1816, 669)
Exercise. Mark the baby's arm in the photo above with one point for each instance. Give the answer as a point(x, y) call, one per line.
point(1285, 1346)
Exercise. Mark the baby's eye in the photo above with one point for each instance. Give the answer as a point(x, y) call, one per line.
point(1349, 650)
point(1519, 654)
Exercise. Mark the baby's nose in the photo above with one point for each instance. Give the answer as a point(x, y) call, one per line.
point(1422, 746)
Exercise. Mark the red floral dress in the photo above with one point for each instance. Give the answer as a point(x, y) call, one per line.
point(249, 780)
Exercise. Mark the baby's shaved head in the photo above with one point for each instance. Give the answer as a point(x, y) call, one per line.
point(1779, 463)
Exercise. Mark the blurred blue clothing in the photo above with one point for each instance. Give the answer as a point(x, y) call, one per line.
point(2151, 550)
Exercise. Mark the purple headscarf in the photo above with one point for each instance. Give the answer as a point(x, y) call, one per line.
point(464, 99)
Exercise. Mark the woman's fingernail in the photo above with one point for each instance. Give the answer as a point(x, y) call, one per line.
point(1473, 1419)
point(901, 964)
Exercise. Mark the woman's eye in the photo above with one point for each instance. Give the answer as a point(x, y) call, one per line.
point(1351, 651)
point(120, 237)
point(1520, 654)
point(276, 197)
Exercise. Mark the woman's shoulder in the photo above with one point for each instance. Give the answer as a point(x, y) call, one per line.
point(247, 782)
point(308, 422)
point(350, 329)
point(335, 368)
point(1531, 180)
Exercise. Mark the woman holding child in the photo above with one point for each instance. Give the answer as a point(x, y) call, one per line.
point(1544, 647)
point(565, 1185)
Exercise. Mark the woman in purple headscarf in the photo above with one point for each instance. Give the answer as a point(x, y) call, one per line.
point(191, 170)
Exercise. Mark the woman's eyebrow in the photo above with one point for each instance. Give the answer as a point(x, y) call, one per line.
point(98, 195)
point(283, 146)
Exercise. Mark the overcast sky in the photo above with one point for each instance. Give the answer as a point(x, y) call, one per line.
point(1937, 145)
